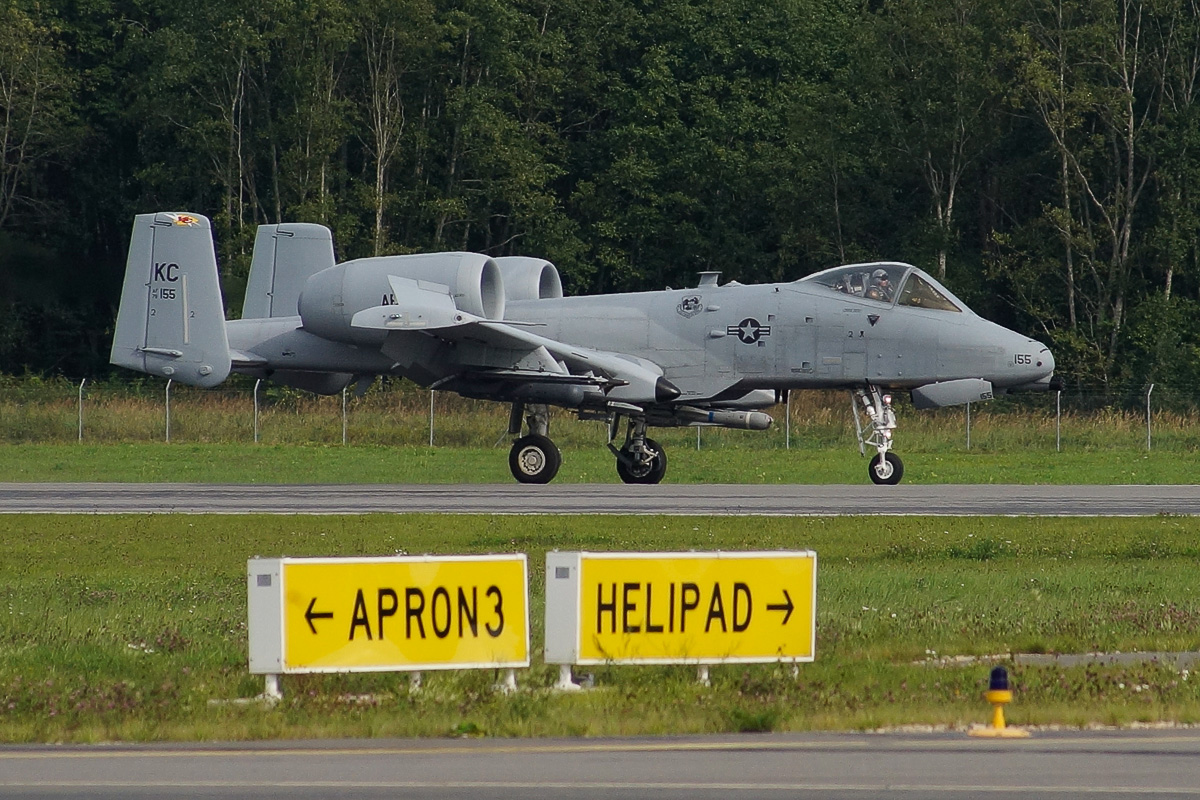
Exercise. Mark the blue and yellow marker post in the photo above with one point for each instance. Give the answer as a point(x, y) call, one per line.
point(999, 694)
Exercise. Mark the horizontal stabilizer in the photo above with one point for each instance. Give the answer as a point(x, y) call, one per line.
point(952, 393)
point(244, 359)
point(171, 321)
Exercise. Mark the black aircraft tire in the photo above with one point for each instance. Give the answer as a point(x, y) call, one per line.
point(658, 467)
point(877, 466)
point(534, 459)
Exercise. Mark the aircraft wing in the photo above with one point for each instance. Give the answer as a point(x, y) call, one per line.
point(508, 351)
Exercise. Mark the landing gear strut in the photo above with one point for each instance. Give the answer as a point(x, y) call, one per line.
point(640, 459)
point(534, 458)
point(886, 467)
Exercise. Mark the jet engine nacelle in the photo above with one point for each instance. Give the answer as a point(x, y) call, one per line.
point(529, 279)
point(333, 296)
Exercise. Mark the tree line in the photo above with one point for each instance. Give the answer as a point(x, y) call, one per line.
point(1041, 156)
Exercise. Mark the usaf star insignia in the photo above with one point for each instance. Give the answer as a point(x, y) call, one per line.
point(748, 330)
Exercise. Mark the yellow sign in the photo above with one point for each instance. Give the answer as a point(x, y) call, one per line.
point(691, 607)
point(404, 613)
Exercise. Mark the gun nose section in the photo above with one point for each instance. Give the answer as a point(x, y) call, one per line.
point(1034, 364)
point(1054, 383)
point(1044, 360)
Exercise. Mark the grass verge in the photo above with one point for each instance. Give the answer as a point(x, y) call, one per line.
point(248, 463)
point(128, 627)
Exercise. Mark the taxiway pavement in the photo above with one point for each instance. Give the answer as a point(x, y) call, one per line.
point(945, 765)
point(691, 499)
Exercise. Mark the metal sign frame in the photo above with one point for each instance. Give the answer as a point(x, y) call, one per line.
point(565, 577)
point(266, 581)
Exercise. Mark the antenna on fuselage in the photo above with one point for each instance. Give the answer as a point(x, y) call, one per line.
point(708, 279)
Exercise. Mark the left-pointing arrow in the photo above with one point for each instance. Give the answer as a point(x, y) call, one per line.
point(310, 615)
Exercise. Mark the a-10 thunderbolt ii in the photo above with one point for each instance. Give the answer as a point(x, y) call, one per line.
point(501, 329)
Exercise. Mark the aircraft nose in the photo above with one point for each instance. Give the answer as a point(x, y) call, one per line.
point(1043, 359)
point(1054, 383)
point(1032, 364)
point(1033, 361)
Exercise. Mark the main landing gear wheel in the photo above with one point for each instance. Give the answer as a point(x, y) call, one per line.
point(534, 459)
point(886, 468)
point(632, 471)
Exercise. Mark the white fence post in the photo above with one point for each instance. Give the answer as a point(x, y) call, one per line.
point(256, 385)
point(1148, 391)
point(1058, 421)
point(343, 415)
point(169, 409)
point(787, 426)
point(431, 417)
point(82, 383)
point(968, 426)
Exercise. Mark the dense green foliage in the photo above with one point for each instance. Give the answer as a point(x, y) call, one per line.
point(1042, 156)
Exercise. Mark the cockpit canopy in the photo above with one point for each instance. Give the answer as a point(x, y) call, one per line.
point(879, 282)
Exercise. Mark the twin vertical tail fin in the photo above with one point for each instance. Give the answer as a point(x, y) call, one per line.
point(285, 256)
point(172, 320)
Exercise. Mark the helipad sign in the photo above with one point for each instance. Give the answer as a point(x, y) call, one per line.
point(666, 608)
point(380, 614)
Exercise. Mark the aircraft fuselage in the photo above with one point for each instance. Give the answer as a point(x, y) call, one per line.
point(711, 340)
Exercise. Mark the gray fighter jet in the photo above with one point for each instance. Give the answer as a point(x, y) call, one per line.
point(500, 329)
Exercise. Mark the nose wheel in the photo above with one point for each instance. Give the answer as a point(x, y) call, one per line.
point(886, 469)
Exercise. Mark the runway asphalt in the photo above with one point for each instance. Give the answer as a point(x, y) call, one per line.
point(947, 765)
point(715, 500)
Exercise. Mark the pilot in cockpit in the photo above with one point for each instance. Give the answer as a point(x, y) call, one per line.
point(881, 286)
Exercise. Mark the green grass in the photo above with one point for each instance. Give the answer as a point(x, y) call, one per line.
point(129, 627)
point(387, 433)
point(584, 463)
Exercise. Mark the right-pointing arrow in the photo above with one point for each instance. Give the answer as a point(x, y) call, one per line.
point(786, 606)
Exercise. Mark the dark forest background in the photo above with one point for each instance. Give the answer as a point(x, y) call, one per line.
point(1041, 155)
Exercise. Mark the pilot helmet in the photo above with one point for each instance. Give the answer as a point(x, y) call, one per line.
point(879, 275)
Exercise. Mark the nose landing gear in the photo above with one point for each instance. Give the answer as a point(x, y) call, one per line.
point(886, 467)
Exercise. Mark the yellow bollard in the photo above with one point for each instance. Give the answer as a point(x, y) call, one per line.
point(999, 694)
